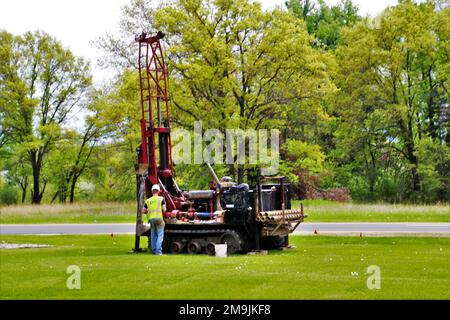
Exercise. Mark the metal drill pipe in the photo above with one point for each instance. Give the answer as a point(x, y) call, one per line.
point(290, 217)
point(287, 217)
point(280, 212)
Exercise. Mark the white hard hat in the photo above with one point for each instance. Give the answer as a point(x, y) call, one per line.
point(156, 187)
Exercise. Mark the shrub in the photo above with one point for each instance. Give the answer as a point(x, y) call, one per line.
point(8, 195)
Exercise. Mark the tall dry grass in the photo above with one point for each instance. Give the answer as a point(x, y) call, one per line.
point(97, 208)
point(329, 211)
point(381, 208)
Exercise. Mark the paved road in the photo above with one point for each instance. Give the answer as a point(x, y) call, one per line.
point(304, 228)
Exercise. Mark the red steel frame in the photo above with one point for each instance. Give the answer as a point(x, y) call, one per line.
point(153, 79)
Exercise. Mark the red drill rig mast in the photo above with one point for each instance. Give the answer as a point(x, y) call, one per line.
point(155, 113)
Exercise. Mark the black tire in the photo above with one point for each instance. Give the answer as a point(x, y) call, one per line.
point(233, 240)
point(211, 249)
point(279, 241)
point(194, 247)
point(176, 247)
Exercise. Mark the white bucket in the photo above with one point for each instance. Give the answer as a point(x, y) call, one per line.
point(221, 250)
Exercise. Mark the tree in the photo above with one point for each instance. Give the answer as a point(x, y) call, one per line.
point(236, 66)
point(18, 170)
point(41, 84)
point(323, 21)
point(393, 76)
point(75, 151)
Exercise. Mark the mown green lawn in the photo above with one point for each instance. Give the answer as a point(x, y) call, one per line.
point(318, 211)
point(319, 268)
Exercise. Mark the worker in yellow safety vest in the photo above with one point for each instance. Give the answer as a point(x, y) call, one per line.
point(154, 208)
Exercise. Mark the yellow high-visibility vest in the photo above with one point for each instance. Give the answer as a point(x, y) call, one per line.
point(154, 206)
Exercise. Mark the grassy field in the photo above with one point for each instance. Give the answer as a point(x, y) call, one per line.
point(97, 212)
point(318, 211)
point(319, 268)
point(329, 211)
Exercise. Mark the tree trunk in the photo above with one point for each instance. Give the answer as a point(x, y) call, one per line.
point(63, 195)
point(433, 128)
point(37, 197)
point(54, 197)
point(63, 189)
point(24, 187)
point(24, 195)
point(72, 188)
point(415, 179)
point(36, 165)
point(371, 181)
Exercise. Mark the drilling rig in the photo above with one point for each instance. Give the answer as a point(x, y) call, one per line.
point(244, 218)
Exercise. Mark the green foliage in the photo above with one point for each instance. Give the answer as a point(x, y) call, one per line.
point(252, 68)
point(392, 98)
point(360, 103)
point(221, 53)
point(359, 189)
point(8, 195)
point(323, 21)
point(301, 158)
point(433, 169)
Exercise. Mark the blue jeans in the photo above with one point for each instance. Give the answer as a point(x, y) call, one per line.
point(156, 235)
